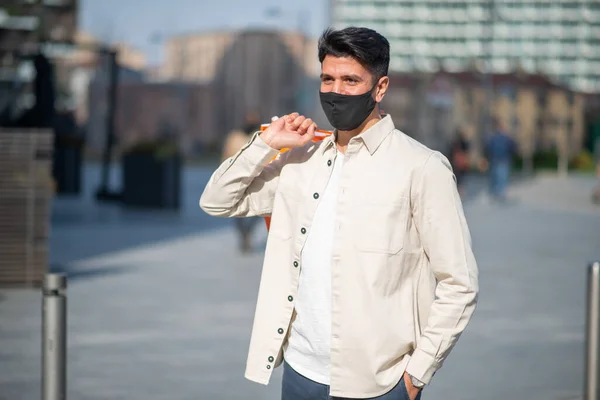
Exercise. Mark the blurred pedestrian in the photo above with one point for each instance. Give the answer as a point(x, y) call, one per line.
point(459, 158)
point(500, 151)
point(235, 140)
point(369, 277)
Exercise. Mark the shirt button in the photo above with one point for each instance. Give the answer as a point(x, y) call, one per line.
point(290, 298)
point(303, 230)
point(296, 264)
point(271, 359)
point(268, 367)
point(316, 195)
point(280, 331)
point(329, 163)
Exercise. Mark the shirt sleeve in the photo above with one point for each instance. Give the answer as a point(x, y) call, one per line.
point(245, 184)
point(445, 237)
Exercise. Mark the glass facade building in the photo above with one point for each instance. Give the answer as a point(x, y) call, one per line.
point(557, 38)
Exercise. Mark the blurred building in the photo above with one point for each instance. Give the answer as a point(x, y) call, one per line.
point(209, 82)
point(86, 52)
point(28, 28)
point(540, 114)
point(149, 110)
point(146, 111)
point(559, 39)
point(264, 72)
point(86, 64)
point(261, 71)
point(195, 57)
point(25, 25)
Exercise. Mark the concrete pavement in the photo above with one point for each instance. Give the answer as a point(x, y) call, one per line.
point(159, 308)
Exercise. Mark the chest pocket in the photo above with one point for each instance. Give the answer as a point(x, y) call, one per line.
point(380, 228)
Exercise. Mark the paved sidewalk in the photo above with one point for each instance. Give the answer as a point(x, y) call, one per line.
point(551, 192)
point(160, 307)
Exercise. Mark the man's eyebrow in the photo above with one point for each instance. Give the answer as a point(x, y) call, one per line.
point(351, 76)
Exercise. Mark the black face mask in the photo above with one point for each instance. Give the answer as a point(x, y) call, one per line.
point(347, 112)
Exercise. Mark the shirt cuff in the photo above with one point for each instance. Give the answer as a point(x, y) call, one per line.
point(422, 366)
point(257, 151)
point(416, 382)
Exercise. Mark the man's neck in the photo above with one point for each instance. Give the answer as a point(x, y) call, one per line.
point(343, 137)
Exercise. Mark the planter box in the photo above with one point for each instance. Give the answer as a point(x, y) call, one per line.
point(151, 182)
point(26, 190)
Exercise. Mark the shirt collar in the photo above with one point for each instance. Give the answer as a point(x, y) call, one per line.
point(372, 137)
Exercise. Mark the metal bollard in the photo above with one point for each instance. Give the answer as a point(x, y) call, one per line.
point(592, 334)
point(54, 337)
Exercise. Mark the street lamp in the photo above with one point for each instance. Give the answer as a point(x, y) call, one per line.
point(103, 192)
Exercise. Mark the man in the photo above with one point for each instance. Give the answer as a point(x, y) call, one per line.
point(369, 277)
point(459, 159)
point(233, 143)
point(500, 150)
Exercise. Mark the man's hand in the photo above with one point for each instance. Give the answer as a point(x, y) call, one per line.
point(413, 392)
point(289, 131)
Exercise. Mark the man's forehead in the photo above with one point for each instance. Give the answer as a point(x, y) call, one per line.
point(342, 65)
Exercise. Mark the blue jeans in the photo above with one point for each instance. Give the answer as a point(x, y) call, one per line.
point(499, 174)
point(297, 387)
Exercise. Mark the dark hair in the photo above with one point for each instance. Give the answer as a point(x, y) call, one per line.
point(366, 46)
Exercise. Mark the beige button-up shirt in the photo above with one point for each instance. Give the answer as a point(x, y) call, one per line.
point(404, 278)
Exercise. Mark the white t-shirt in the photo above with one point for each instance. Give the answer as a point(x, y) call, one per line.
point(308, 351)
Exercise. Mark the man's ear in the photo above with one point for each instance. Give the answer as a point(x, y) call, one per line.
point(382, 87)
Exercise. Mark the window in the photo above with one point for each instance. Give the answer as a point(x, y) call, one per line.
point(566, 67)
point(529, 48)
point(502, 30)
point(474, 31)
point(474, 47)
point(421, 47)
point(568, 49)
point(556, 31)
point(452, 64)
point(422, 12)
point(529, 13)
point(528, 64)
point(500, 65)
point(588, 14)
point(458, 15)
point(475, 12)
point(555, 12)
point(430, 65)
point(499, 48)
point(528, 30)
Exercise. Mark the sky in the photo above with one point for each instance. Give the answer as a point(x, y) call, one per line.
point(145, 23)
